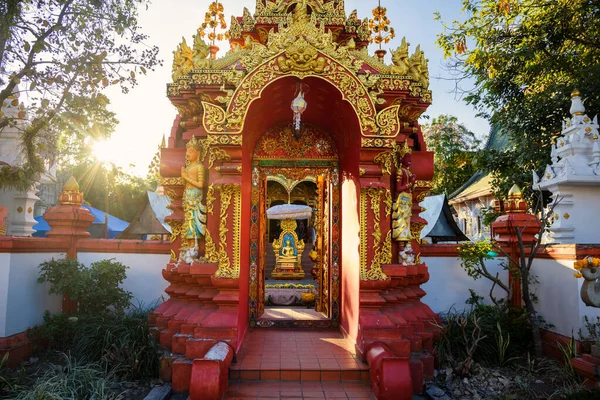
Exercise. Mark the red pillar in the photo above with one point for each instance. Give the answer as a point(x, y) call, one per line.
point(504, 230)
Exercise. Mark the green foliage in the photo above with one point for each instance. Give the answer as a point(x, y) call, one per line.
point(96, 289)
point(60, 55)
point(525, 58)
point(473, 255)
point(454, 148)
point(569, 352)
point(489, 215)
point(57, 332)
point(592, 328)
point(121, 343)
point(74, 380)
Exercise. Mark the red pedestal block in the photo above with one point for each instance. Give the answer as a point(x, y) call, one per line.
point(395, 326)
point(390, 375)
point(210, 374)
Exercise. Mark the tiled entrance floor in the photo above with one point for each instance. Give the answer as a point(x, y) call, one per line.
point(298, 390)
point(292, 313)
point(289, 355)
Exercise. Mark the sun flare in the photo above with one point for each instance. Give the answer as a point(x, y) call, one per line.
point(104, 151)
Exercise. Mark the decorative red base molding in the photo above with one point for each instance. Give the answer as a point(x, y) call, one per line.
point(397, 331)
point(198, 324)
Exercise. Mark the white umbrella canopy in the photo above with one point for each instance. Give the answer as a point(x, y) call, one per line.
point(289, 211)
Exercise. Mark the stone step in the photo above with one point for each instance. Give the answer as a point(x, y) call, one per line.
point(299, 389)
point(310, 373)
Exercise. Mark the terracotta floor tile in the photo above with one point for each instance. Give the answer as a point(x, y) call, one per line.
point(313, 394)
point(335, 395)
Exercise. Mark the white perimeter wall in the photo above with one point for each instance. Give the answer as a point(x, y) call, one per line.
point(22, 299)
point(559, 301)
point(449, 284)
point(144, 276)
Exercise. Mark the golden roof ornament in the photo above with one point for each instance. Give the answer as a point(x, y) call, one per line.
point(515, 202)
point(71, 194)
point(381, 31)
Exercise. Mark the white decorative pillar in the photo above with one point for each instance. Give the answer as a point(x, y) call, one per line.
point(574, 179)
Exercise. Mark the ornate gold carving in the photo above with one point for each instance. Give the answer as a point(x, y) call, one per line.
point(301, 57)
point(400, 59)
point(69, 196)
point(362, 171)
point(214, 118)
point(384, 160)
point(235, 29)
point(178, 181)
point(415, 231)
point(217, 154)
point(173, 255)
point(210, 249)
point(378, 143)
point(386, 250)
point(226, 269)
point(374, 272)
point(210, 199)
point(247, 21)
point(388, 121)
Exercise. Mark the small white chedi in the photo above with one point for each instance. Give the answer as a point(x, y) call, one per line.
point(574, 178)
point(20, 204)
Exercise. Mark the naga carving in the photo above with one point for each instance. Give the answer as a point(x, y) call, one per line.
point(589, 269)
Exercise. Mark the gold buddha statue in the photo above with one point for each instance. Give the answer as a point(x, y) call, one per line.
point(288, 253)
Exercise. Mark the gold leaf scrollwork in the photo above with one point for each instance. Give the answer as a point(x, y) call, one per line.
point(385, 160)
point(217, 154)
point(389, 122)
point(226, 269)
point(210, 249)
point(214, 118)
point(371, 196)
point(415, 231)
point(210, 199)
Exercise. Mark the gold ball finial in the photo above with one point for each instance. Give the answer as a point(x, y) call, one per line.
point(515, 192)
point(576, 93)
point(71, 185)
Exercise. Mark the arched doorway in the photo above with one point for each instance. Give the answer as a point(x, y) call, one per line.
point(305, 171)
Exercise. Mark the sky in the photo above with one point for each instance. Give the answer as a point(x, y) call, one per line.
point(145, 114)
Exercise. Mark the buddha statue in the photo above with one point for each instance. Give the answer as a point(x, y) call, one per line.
point(287, 251)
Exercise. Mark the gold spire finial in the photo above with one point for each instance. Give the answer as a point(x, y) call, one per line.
point(71, 185)
point(576, 93)
point(515, 192)
point(71, 194)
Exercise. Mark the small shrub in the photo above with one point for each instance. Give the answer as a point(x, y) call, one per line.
point(96, 289)
point(57, 332)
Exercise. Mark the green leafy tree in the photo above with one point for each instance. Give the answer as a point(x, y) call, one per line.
point(56, 56)
point(454, 148)
point(525, 58)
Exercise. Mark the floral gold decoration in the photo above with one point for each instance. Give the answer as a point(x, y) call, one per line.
point(217, 154)
point(371, 197)
point(381, 31)
point(385, 160)
point(214, 19)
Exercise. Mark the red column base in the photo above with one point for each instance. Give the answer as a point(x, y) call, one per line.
point(390, 375)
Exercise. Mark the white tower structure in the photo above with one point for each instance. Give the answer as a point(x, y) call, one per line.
point(20, 204)
point(574, 178)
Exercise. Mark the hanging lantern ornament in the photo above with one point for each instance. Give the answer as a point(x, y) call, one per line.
point(299, 105)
